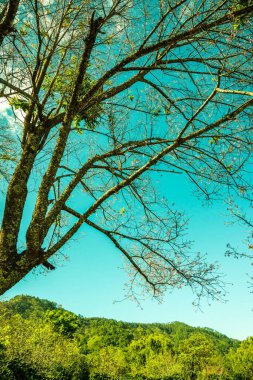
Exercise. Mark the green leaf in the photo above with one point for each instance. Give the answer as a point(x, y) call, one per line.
point(19, 103)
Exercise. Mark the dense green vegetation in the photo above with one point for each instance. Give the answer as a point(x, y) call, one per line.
point(40, 340)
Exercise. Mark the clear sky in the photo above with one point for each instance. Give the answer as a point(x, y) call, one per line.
point(90, 281)
point(92, 278)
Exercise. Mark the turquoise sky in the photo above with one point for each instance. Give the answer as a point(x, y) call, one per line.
point(92, 278)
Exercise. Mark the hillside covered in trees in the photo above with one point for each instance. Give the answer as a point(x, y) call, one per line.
point(41, 340)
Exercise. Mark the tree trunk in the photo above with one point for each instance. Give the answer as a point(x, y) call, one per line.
point(11, 272)
point(12, 268)
point(7, 17)
point(19, 265)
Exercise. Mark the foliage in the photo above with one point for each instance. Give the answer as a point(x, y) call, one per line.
point(240, 360)
point(29, 306)
point(34, 346)
point(196, 353)
point(64, 322)
point(19, 103)
point(51, 343)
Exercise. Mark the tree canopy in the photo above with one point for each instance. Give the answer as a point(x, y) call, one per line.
point(45, 344)
point(99, 96)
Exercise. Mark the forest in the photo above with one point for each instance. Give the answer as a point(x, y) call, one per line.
point(41, 340)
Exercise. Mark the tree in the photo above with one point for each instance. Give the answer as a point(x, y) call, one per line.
point(107, 363)
point(34, 350)
point(196, 354)
point(240, 362)
point(151, 356)
point(162, 366)
point(64, 322)
point(101, 110)
point(40, 340)
point(28, 306)
point(7, 16)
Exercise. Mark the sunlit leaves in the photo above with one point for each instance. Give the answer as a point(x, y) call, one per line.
point(19, 103)
point(39, 340)
point(240, 362)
